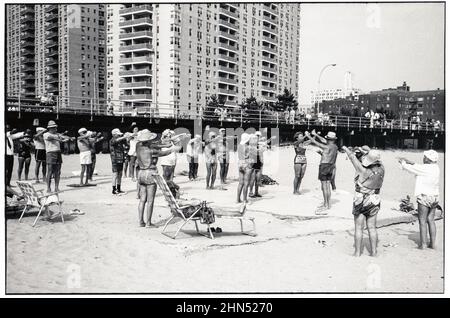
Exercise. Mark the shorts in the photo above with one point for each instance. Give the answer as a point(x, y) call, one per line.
point(54, 158)
point(24, 155)
point(326, 171)
point(39, 155)
point(85, 158)
point(366, 204)
point(117, 166)
point(430, 201)
point(145, 177)
point(245, 168)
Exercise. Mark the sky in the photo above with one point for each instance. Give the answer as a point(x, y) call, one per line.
point(381, 44)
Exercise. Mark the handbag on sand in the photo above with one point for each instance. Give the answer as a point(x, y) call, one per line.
point(206, 214)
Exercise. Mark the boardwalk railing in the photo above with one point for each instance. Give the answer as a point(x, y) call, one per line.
point(122, 108)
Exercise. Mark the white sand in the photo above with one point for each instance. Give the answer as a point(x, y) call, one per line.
point(105, 251)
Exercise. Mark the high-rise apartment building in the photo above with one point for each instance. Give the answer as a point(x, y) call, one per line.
point(174, 56)
point(60, 51)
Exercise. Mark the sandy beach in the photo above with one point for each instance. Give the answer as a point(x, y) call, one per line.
point(104, 251)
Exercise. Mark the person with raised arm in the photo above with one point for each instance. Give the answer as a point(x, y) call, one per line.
point(260, 146)
point(39, 154)
point(300, 162)
point(327, 164)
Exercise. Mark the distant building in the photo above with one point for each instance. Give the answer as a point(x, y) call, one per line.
point(397, 102)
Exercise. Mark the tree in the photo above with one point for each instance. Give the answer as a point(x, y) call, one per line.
point(214, 102)
point(285, 101)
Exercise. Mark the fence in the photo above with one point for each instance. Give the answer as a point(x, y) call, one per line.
point(80, 105)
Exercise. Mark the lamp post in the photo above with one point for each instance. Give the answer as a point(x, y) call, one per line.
point(318, 83)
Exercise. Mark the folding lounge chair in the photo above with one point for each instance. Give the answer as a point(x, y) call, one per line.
point(179, 210)
point(36, 198)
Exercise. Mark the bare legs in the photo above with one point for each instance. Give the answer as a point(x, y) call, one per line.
point(85, 169)
point(255, 180)
point(36, 170)
point(146, 197)
point(299, 170)
point(373, 235)
point(333, 179)
point(326, 191)
point(244, 182)
point(53, 171)
point(211, 169)
point(426, 219)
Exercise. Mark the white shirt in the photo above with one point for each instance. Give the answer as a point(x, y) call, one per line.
point(427, 178)
point(132, 151)
point(193, 148)
point(10, 146)
point(51, 145)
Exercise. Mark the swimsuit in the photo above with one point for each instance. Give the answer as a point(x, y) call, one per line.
point(300, 154)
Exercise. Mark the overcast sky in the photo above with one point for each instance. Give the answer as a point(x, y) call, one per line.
point(381, 44)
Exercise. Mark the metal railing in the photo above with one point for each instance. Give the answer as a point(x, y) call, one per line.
point(259, 117)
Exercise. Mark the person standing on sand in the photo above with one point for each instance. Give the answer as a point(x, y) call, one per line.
point(39, 154)
point(24, 154)
point(85, 155)
point(326, 167)
point(193, 151)
point(426, 192)
point(147, 158)
point(95, 138)
point(132, 153)
point(245, 167)
point(366, 202)
point(299, 159)
point(257, 166)
point(223, 155)
point(117, 157)
point(11, 135)
point(53, 142)
point(211, 159)
point(169, 161)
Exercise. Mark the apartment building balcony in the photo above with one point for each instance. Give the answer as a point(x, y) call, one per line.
point(27, 52)
point(269, 39)
point(268, 98)
point(27, 77)
point(225, 91)
point(270, 29)
point(228, 47)
point(269, 49)
point(271, 69)
point(26, 18)
point(136, 9)
point(26, 10)
point(227, 69)
point(27, 60)
point(136, 97)
point(136, 47)
point(51, 71)
point(141, 72)
point(227, 35)
point(52, 43)
point(269, 79)
point(227, 80)
point(271, 8)
point(135, 22)
point(52, 34)
point(132, 35)
point(27, 27)
point(234, 26)
point(27, 68)
point(142, 84)
point(51, 16)
point(268, 58)
point(228, 12)
point(140, 59)
point(227, 58)
point(52, 53)
point(27, 85)
point(51, 26)
point(51, 8)
point(27, 36)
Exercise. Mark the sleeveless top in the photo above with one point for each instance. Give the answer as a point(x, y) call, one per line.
point(372, 183)
point(300, 154)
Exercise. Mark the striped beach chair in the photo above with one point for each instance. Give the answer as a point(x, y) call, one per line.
point(36, 198)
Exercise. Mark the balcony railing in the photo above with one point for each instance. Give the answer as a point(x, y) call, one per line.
point(135, 97)
point(225, 91)
point(136, 8)
point(234, 26)
point(227, 58)
point(228, 12)
point(140, 59)
point(135, 22)
point(233, 81)
point(136, 47)
point(135, 72)
point(143, 84)
point(268, 49)
point(228, 35)
point(132, 35)
point(229, 47)
point(227, 69)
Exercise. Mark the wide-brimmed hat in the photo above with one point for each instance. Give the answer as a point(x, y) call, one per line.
point(82, 131)
point(116, 131)
point(432, 155)
point(372, 157)
point(51, 124)
point(258, 133)
point(245, 138)
point(364, 149)
point(39, 129)
point(146, 135)
point(331, 135)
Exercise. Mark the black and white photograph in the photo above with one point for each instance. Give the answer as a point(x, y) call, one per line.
point(223, 148)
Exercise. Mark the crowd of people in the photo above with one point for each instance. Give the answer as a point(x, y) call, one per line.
point(136, 154)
